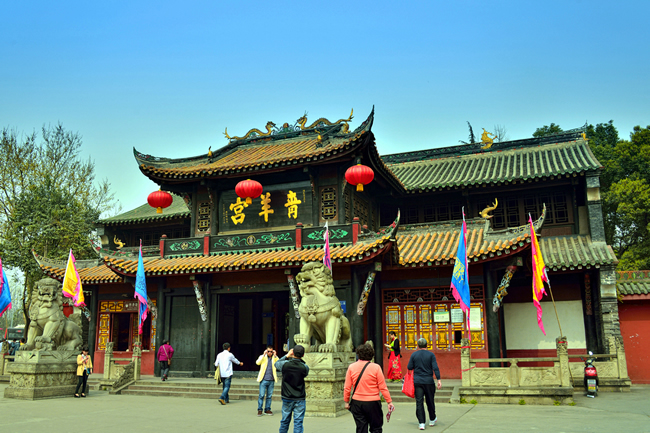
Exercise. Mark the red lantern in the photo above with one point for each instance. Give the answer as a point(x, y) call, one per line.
point(159, 200)
point(359, 175)
point(249, 189)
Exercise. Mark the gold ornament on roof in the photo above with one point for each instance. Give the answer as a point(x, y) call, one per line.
point(484, 212)
point(301, 122)
point(253, 132)
point(486, 140)
point(119, 243)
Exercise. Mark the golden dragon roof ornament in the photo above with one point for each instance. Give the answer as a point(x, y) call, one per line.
point(298, 126)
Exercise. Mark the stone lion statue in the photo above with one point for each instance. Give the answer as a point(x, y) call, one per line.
point(49, 329)
point(321, 315)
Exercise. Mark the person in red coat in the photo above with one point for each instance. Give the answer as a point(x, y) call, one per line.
point(165, 354)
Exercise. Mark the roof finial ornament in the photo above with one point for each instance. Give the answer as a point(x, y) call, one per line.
point(210, 152)
point(484, 212)
point(486, 140)
point(118, 242)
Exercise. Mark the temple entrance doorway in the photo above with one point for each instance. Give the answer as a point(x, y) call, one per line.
point(251, 321)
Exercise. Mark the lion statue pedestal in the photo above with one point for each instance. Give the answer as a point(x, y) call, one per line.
point(322, 319)
point(42, 374)
point(46, 366)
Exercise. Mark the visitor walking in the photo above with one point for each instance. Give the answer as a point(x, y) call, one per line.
point(267, 378)
point(84, 368)
point(294, 370)
point(394, 358)
point(364, 381)
point(224, 362)
point(165, 354)
point(424, 366)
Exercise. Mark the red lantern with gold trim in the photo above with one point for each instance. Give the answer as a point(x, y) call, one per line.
point(249, 189)
point(359, 175)
point(160, 200)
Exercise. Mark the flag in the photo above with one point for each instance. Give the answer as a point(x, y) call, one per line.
point(72, 283)
point(460, 276)
point(539, 274)
point(5, 293)
point(141, 292)
point(327, 258)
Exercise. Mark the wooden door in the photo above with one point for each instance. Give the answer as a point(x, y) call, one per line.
point(185, 322)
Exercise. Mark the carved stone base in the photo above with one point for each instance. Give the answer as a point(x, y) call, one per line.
point(39, 375)
point(325, 383)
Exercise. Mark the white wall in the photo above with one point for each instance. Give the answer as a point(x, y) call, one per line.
point(522, 331)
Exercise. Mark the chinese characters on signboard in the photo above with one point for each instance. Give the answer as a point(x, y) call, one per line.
point(276, 207)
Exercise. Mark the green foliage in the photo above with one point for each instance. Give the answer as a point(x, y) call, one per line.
point(463, 400)
point(547, 130)
point(472, 137)
point(522, 402)
point(625, 191)
point(573, 403)
point(49, 199)
point(556, 402)
point(473, 401)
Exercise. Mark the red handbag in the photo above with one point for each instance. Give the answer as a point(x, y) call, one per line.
point(408, 388)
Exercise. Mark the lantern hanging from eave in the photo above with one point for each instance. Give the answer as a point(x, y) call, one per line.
point(359, 175)
point(160, 200)
point(249, 189)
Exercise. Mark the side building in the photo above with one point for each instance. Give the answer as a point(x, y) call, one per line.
point(221, 269)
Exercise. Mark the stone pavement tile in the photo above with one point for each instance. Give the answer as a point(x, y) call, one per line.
point(100, 412)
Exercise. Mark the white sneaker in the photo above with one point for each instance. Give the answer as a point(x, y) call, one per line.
point(421, 426)
point(433, 422)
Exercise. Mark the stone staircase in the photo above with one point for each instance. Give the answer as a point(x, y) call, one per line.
point(243, 389)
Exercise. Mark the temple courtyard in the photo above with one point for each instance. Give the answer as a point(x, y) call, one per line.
point(101, 412)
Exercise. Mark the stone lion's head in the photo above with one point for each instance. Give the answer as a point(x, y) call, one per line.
point(48, 292)
point(315, 277)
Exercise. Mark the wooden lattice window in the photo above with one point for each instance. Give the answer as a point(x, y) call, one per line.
point(362, 210)
point(328, 207)
point(347, 204)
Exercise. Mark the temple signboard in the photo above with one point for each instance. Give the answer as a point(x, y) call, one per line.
point(280, 205)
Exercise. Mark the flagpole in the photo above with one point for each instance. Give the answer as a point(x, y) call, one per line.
point(555, 308)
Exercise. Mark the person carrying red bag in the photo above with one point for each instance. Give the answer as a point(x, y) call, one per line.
point(423, 366)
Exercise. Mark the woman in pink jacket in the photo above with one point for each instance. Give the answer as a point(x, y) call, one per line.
point(165, 353)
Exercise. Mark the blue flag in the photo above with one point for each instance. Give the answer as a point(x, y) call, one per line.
point(460, 276)
point(141, 291)
point(5, 293)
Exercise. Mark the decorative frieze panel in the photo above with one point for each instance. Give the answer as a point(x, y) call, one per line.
point(328, 203)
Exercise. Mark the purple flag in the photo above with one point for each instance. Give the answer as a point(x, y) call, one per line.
point(327, 258)
point(141, 292)
point(5, 293)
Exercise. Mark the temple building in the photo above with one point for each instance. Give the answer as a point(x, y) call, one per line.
point(221, 268)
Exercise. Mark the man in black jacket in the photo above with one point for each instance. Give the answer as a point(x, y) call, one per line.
point(424, 366)
point(294, 370)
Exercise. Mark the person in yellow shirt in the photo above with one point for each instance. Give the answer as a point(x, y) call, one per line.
point(267, 378)
point(84, 368)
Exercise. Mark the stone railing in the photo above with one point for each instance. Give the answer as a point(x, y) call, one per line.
point(118, 373)
point(537, 385)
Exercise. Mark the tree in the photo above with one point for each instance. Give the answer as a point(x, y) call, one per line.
point(49, 200)
point(547, 130)
point(501, 133)
point(472, 137)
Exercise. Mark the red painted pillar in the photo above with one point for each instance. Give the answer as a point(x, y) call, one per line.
point(161, 245)
point(206, 245)
point(355, 230)
point(298, 236)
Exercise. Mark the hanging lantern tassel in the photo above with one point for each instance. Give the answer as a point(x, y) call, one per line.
point(359, 175)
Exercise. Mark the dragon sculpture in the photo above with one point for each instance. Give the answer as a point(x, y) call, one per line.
point(253, 132)
point(486, 140)
point(301, 122)
point(485, 212)
point(118, 242)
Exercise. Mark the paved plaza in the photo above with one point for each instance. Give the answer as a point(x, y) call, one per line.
point(101, 412)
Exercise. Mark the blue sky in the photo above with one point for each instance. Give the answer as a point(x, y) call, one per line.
point(168, 77)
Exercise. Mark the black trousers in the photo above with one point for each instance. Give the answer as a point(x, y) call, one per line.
point(81, 380)
point(427, 391)
point(367, 413)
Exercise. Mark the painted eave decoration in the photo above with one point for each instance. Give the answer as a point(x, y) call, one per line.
point(633, 284)
point(90, 271)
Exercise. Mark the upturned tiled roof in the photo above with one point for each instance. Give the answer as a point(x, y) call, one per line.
point(146, 213)
point(517, 161)
point(282, 257)
point(259, 153)
point(633, 282)
point(575, 252)
point(90, 271)
point(436, 244)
